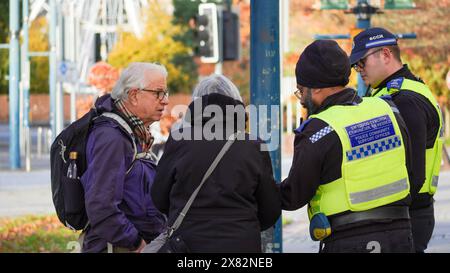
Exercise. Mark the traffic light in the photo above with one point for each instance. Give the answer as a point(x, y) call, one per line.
point(208, 33)
point(231, 39)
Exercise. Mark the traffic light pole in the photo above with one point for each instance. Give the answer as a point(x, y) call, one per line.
point(265, 91)
point(218, 66)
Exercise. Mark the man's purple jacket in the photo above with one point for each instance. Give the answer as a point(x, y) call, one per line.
point(118, 205)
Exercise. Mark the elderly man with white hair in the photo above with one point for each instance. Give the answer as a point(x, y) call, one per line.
point(240, 197)
point(122, 217)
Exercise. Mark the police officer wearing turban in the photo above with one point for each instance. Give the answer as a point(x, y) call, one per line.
point(350, 159)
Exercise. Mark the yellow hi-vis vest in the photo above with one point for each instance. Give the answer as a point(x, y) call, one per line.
point(373, 162)
point(433, 155)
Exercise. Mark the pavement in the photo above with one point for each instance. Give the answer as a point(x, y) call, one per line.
point(25, 193)
point(296, 234)
point(29, 193)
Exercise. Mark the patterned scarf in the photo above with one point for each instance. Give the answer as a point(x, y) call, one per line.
point(139, 129)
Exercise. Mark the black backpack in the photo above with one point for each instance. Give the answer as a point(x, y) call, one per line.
point(68, 193)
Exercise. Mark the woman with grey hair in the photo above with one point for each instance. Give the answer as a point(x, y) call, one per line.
point(240, 197)
point(218, 84)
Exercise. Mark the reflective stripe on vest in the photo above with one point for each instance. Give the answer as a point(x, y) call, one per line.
point(376, 193)
point(373, 164)
point(433, 155)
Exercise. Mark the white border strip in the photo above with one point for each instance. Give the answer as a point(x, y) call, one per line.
point(380, 42)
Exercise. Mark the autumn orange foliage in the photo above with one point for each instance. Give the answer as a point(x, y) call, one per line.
point(103, 76)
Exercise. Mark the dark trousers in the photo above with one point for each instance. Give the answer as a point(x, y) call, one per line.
point(422, 223)
point(391, 241)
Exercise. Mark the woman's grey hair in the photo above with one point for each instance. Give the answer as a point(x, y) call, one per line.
point(216, 84)
point(135, 76)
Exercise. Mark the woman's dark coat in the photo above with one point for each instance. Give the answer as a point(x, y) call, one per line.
point(237, 202)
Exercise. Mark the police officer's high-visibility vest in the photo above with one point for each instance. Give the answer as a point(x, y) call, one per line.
point(373, 162)
point(433, 155)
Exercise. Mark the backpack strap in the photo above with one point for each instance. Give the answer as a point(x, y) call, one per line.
point(136, 155)
point(127, 128)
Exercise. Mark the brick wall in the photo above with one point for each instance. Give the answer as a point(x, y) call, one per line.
point(40, 106)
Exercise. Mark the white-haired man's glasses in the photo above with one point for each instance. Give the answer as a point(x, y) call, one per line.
point(160, 94)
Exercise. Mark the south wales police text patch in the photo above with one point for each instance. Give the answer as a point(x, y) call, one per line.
point(370, 130)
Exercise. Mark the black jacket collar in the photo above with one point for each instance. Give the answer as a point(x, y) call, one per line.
point(347, 96)
point(403, 72)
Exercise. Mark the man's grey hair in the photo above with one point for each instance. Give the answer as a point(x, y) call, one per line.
point(135, 76)
point(216, 84)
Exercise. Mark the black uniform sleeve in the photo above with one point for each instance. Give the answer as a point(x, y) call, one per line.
point(267, 194)
point(406, 142)
point(416, 121)
point(313, 164)
point(165, 177)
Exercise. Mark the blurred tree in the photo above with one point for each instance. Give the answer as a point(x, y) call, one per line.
point(39, 66)
point(428, 56)
point(158, 45)
point(4, 21)
point(433, 73)
point(184, 17)
point(103, 76)
point(4, 32)
point(38, 41)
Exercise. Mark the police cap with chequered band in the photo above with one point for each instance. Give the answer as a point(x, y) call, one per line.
point(370, 38)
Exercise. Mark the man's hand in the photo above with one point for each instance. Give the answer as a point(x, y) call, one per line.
point(141, 246)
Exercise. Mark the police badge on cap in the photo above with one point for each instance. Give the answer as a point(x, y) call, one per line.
point(370, 38)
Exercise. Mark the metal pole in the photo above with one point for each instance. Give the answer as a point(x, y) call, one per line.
point(218, 68)
point(48, 140)
point(14, 149)
point(362, 23)
point(61, 57)
point(39, 141)
point(73, 102)
point(26, 85)
point(71, 33)
point(284, 16)
point(228, 4)
point(298, 114)
point(52, 65)
point(265, 90)
point(27, 149)
point(103, 49)
point(21, 109)
point(284, 83)
point(289, 128)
